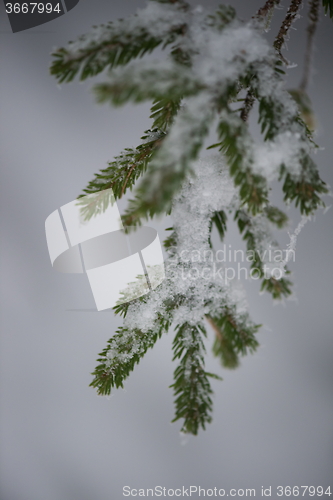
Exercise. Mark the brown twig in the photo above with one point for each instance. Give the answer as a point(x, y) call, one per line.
point(312, 26)
point(266, 9)
point(215, 328)
point(260, 16)
point(248, 104)
point(218, 332)
point(145, 153)
point(127, 177)
point(283, 32)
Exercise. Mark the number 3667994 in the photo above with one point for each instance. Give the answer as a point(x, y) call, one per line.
point(30, 8)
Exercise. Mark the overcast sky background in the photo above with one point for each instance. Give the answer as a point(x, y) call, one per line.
point(272, 416)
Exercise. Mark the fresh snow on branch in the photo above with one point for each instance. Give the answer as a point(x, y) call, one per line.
point(213, 62)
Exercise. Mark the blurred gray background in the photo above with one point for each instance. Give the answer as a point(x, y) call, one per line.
point(60, 441)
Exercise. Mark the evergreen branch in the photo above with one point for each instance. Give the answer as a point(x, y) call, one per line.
point(172, 163)
point(222, 17)
point(117, 43)
point(122, 309)
point(278, 116)
point(212, 59)
point(276, 216)
point(277, 112)
point(124, 350)
point(278, 288)
point(219, 220)
point(154, 80)
point(237, 146)
point(187, 49)
point(121, 174)
point(306, 189)
point(222, 348)
point(311, 30)
point(181, 56)
point(291, 16)
point(92, 205)
point(170, 242)
point(163, 112)
point(191, 387)
point(259, 241)
point(232, 339)
point(305, 107)
point(328, 7)
point(91, 62)
point(270, 114)
point(302, 182)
